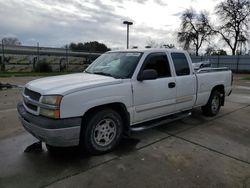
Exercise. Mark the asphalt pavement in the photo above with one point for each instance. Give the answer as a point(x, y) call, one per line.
point(197, 151)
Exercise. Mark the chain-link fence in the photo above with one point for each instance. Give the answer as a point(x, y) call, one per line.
point(31, 58)
point(238, 63)
point(27, 59)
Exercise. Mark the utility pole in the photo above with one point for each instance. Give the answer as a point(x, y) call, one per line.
point(67, 58)
point(3, 63)
point(38, 56)
point(128, 24)
point(38, 52)
point(240, 40)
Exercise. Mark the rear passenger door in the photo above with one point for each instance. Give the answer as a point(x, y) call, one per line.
point(185, 82)
point(154, 98)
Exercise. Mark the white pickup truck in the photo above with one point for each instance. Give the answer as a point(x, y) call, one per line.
point(120, 92)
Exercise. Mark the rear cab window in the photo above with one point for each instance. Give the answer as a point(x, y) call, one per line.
point(181, 64)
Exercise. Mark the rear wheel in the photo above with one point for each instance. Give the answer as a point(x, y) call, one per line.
point(103, 131)
point(213, 105)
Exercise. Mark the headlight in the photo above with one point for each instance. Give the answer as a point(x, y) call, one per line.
point(50, 113)
point(52, 99)
point(53, 110)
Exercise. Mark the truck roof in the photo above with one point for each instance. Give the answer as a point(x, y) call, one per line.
point(149, 50)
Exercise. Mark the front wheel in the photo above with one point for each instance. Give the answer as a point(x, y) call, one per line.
point(103, 131)
point(213, 105)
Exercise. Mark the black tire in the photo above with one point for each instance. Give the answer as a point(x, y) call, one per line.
point(102, 133)
point(213, 105)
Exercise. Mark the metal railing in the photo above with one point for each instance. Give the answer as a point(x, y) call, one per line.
point(33, 54)
point(34, 50)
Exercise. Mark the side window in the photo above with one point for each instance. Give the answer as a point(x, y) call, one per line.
point(180, 64)
point(158, 62)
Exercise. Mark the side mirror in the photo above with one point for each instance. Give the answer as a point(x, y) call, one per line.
point(149, 74)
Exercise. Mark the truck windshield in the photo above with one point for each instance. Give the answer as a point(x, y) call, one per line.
point(115, 64)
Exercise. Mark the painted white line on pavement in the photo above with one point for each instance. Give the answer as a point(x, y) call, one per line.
point(9, 110)
point(242, 87)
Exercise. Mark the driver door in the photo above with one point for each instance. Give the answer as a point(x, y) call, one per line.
point(154, 98)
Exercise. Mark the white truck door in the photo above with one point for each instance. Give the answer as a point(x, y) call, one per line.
point(185, 82)
point(154, 98)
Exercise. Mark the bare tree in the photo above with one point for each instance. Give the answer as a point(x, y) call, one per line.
point(234, 16)
point(11, 41)
point(195, 29)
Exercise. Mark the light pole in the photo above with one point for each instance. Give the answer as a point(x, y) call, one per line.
point(128, 24)
point(37, 53)
point(3, 63)
point(241, 40)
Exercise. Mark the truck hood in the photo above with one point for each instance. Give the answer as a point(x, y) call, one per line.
point(70, 83)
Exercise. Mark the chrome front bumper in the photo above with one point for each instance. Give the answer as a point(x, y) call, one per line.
point(58, 134)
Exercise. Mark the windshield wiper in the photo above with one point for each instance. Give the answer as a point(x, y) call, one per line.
point(106, 74)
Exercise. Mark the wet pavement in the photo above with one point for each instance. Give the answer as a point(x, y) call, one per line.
point(197, 151)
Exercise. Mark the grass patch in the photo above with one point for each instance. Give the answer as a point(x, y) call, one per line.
point(25, 74)
point(246, 78)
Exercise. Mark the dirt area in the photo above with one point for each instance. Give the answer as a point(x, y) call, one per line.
point(17, 80)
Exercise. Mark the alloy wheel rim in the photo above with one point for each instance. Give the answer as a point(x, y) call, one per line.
point(105, 132)
point(215, 104)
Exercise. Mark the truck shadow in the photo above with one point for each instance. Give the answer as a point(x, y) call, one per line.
point(129, 144)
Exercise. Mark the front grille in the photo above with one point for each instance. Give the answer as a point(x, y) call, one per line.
point(29, 97)
point(32, 94)
point(31, 106)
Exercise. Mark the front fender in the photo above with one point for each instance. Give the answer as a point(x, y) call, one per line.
point(76, 104)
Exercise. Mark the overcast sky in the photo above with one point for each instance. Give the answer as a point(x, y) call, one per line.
point(59, 22)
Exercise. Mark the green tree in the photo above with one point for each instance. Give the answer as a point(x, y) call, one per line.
point(92, 46)
point(219, 52)
point(13, 41)
point(212, 51)
point(168, 46)
point(209, 50)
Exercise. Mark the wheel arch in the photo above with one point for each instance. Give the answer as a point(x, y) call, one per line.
point(221, 89)
point(116, 106)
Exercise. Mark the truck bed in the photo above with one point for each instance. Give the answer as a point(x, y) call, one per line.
point(207, 78)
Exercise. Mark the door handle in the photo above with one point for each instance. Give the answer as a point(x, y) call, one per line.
point(171, 85)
